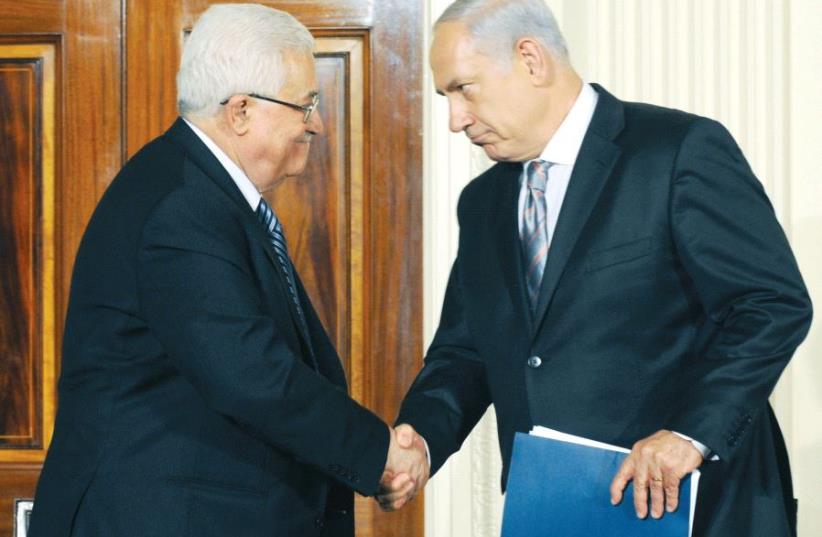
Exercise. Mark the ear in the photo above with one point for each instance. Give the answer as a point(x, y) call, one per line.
point(535, 60)
point(238, 111)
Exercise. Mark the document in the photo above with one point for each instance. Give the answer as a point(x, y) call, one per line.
point(559, 485)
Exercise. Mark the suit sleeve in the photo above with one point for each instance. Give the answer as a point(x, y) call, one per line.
point(202, 303)
point(450, 394)
point(737, 260)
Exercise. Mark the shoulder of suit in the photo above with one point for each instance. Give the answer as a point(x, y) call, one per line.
point(159, 178)
point(652, 126)
point(488, 181)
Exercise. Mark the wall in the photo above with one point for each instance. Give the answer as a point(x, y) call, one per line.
point(748, 63)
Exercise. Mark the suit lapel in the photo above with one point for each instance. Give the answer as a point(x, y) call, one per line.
point(181, 135)
point(593, 166)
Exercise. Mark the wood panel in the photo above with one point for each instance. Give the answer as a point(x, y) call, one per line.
point(19, 170)
point(38, 15)
point(323, 209)
point(393, 230)
point(27, 253)
point(27, 308)
point(78, 46)
point(21, 88)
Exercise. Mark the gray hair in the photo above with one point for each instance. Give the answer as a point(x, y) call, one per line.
point(236, 48)
point(497, 25)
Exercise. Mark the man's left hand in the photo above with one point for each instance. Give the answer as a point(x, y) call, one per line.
point(656, 465)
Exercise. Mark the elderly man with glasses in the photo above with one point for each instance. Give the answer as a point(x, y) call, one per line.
point(200, 395)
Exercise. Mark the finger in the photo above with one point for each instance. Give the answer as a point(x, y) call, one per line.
point(396, 498)
point(671, 494)
point(641, 493)
point(621, 479)
point(387, 477)
point(400, 481)
point(394, 484)
point(657, 496)
point(405, 435)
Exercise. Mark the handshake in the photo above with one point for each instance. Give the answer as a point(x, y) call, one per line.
point(406, 469)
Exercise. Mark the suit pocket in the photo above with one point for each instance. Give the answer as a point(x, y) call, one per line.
point(194, 483)
point(619, 254)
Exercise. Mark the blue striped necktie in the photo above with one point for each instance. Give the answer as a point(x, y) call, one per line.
point(533, 231)
point(275, 235)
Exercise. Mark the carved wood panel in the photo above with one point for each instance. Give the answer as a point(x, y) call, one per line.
point(27, 81)
point(322, 210)
point(60, 134)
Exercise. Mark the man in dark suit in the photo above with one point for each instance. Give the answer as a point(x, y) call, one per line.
point(199, 393)
point(621, 276)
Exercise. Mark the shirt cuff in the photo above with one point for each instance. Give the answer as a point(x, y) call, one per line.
point(702, 448)
point(427, 452)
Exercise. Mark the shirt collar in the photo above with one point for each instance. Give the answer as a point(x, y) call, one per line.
point(247, 188)
point(564, 145)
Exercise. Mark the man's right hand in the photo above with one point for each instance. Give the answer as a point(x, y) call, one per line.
point(406, 469)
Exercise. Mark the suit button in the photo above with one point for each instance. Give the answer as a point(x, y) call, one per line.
point(534, 362)
point(319, 522)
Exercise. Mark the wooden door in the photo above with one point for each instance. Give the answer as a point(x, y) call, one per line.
point(60, 143)
point(85, 83)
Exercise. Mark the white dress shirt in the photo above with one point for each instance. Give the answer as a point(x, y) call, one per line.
point(249, 191)
point(561, 152)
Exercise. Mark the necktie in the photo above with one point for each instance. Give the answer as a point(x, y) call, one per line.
point(275, 235)
point(533, 232)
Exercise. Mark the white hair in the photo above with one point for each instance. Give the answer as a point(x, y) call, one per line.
point(497, 25)
point(233, 49)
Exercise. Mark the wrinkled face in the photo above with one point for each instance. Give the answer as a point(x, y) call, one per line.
point(277, 143)
point(488, 100)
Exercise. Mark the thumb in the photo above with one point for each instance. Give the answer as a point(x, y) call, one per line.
point(405, 435)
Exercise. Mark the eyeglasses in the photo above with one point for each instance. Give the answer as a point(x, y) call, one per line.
point(306, 109)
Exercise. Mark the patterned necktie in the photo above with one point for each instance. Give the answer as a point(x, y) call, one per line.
point(533, 231)
point(275, 235)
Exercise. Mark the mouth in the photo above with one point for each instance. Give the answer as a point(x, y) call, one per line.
point(477, 139)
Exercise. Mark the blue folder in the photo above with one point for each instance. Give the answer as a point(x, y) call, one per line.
point(562, 489)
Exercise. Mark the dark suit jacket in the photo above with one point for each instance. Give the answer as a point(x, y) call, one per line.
point(189, 405)
point(670, 299)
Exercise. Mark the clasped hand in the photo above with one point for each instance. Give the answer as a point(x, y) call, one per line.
point(406, 469)
point(656, 465)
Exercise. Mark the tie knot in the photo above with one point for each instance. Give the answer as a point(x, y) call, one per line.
point(538, 174)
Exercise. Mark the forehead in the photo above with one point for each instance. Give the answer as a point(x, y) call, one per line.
point(454, 54)
point(301, 71)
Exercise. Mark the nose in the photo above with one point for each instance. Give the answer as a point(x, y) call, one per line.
point(315, 123)
point(458, 117)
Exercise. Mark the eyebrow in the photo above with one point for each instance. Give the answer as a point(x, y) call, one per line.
point(453, 85)
point(310, 95)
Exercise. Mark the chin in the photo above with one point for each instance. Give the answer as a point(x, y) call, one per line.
point(296, 172)
point(491, 153)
